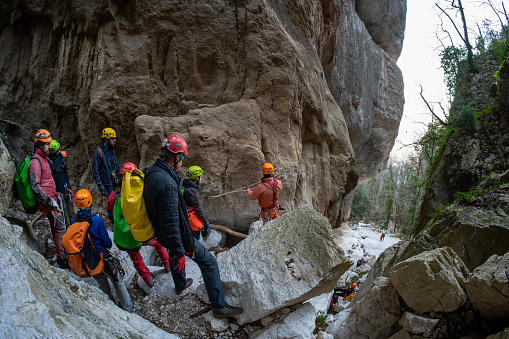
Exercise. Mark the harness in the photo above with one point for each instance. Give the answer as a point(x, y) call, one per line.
point(272, 187)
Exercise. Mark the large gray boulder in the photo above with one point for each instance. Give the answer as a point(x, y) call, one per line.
point(7, 172)
point(417, 324)
point(285, 262)
point(488, 289)
point(41, 301)
point(374, 316)
point(431, 281)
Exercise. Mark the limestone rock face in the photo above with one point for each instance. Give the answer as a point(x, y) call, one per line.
point(431, 281)
point(39, 300)
point(488, 289)
point(79, 66)
point(372, 113)
point(287, 261)
point(299, 324)
point(385, 21)
point(7, 173)
point(375, 316)
point(475, 234)
point(417, 324)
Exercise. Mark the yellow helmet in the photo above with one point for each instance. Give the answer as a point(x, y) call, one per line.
point(194, 172)
point(109, 133)
point(267, 168)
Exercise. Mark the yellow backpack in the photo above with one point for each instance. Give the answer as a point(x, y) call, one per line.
point(133, 206)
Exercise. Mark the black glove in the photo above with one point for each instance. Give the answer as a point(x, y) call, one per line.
point(205, 232)
point(104, 191)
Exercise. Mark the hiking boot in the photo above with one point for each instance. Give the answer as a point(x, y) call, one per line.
point(189, 282)
point(167, 269)
point(150, 282)
point(227, 311)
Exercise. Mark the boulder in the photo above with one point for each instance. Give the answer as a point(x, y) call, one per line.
point(263, 275)
point(298, 324)
point(500, 335)
point(39, 300)
point(374, 316)
point(7, 173)
point(431, 281)
point(417, 324)
point(474, 233)
point(488, 289)
point(401, 334)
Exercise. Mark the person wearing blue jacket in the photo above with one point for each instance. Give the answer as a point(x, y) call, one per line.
point(101, 241)
point(105, 166)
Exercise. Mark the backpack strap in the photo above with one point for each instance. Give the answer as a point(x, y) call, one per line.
point(273, 189)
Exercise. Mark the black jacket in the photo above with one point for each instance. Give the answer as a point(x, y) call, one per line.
point(192, 199)
point(166, 209)
point(59, 172)
point(105, 167)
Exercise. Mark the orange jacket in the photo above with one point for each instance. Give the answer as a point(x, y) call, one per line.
point(264, 194)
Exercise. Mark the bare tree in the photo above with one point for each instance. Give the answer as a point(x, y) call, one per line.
point(457, 5)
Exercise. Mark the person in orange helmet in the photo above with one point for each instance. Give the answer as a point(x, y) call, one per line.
point(45, 190)
point(340, 292)
point(267, 192)
point(361, 262)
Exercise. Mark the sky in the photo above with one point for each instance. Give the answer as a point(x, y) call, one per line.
point(420, 65)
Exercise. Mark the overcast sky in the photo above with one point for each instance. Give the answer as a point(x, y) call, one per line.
point(420, 64)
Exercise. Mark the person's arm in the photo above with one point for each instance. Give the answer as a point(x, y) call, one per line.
point(96, 173)
point(194, 199)
point(254, 194)
point(105, 238)
point(35, 172)
point(168, 210)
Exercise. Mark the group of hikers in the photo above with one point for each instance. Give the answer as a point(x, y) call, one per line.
point(174, 210)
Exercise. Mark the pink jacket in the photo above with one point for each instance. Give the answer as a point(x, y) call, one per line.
point(41, 180)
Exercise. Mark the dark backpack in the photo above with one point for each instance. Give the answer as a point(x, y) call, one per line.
point(22, 181)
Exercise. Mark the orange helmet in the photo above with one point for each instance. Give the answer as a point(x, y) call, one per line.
point(354, 285)
point(363, 259)
point(175, 144)
point(267, 168)
point(42, 135)
point(83, 198)
point(127, 167)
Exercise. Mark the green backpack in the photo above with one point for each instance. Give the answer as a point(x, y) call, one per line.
point(22, 181)
point(122, 235)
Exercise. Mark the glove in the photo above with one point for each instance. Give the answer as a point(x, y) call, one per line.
point(54, 205)
point(104, 192)
point(205, 231)
point(64, 153)
point(182, 264)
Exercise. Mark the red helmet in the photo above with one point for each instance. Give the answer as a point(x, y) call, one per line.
point(354, 285)
point(127, 167)
point(362, 259)
point(175, 144)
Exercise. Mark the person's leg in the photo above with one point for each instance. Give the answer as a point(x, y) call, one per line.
point(123, 296)
point(139, 265)
point(179, 277)
point(104, 286)
point(273, 213)
point(210, 271)
point(162, 253)
point(57, 229)
point(264, 220)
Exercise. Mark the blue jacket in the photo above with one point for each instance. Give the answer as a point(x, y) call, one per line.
point(167, 209)
point(98, 234)
point(104, 163)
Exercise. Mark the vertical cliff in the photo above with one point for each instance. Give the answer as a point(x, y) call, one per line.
point(310, 86)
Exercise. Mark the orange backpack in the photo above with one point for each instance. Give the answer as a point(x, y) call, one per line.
point(79, 251)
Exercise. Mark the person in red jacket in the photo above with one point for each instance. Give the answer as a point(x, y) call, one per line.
point(267, 193)
point(43, 185)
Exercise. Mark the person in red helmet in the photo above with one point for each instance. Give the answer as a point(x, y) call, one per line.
point(44, 188)
point(123, 238)
point(340, 292)
point(361, 262)
point(267, 193)
point(167, 212)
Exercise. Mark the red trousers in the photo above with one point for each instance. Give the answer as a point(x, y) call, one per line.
point(139, 264)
